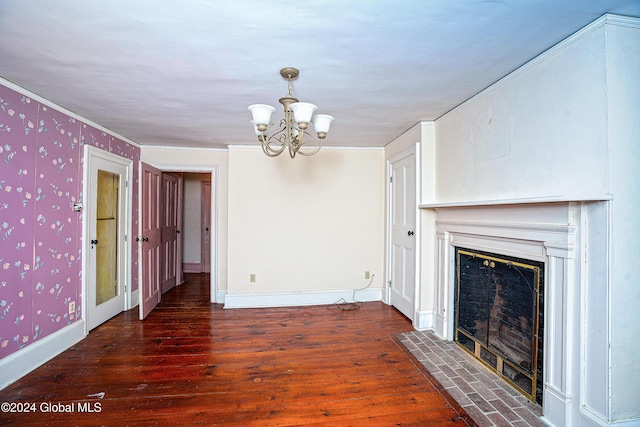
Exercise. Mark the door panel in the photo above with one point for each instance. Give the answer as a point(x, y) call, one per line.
point(169, 231)
point(403, 243)
point(179, 274)
point(206, 227)
point(150, 294)
point(107, 236)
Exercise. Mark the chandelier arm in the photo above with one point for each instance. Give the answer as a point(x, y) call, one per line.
point(267, 148)
point(314, 151)
point(269, 153)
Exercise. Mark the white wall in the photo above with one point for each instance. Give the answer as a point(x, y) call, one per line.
point(567, 126)
point(201, 160)
point(623, 83)
point(539, 132)
point(305, 224)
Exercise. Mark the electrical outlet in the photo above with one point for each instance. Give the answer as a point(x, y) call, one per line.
point(367, 275)
point(252, 278)
point(72, 307)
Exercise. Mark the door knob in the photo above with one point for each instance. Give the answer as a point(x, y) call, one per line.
point(94, 242)
point(410, 233)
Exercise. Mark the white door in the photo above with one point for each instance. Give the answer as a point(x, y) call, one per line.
point(106, 235)
point(402, 255)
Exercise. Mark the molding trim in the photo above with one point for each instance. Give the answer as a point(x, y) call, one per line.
point(294, 299)
point(324, 147)
point(20, 363)
point(181, 148)
point(622, 21)
point(220, 296)
point(423, 320)
point(491, 227)
point(590, 418)
point(632, 422)
point(192, 267)
point(135, 298)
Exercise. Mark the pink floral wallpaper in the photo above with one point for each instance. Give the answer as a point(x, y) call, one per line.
point(41, 159)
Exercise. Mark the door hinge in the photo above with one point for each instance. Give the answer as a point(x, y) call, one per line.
point(391, 179)
point(390, 284)
point(126, 183)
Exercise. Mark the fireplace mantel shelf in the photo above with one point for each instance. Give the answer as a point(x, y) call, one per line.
point(532, 200)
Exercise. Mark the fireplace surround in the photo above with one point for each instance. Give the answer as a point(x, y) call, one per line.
point(566, 237)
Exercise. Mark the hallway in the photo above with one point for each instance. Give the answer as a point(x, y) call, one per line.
point(191, 362)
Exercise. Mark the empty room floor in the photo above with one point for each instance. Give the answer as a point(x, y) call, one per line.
point(193, 362)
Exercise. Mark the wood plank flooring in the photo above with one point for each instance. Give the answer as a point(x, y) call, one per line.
point(194, 363)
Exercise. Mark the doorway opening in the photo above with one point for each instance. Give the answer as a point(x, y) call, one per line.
point(198, 230)
point(188, 232)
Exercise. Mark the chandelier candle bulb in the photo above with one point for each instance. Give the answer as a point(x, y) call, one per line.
point(302, 112)
point(322, 123)
point(261, 115)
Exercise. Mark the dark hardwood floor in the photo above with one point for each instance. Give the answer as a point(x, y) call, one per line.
point(192, 362)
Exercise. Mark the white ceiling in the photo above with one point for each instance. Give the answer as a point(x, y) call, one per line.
point(166, 72)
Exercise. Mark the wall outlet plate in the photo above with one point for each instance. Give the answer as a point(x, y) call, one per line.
point(367, 275)
point(252, 278)
point(72, 307)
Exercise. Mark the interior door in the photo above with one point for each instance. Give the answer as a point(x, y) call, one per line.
point(106, 237)
point(179, 272)
point(403, 239)
point(206, 227)
point(169, 232)
point(150, 294)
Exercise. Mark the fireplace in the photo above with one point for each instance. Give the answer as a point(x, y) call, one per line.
point(564, 237)
point(498, 310)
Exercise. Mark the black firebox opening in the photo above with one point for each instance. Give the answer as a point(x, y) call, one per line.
point(499, 306)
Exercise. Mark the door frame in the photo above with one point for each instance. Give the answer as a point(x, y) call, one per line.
point(414, 150)
point(213, 170)
point(90, 154)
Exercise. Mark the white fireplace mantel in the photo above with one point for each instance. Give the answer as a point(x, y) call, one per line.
point(564, 234)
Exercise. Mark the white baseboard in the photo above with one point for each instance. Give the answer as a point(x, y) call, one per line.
point(293, 299)
point(20, 363)
point(633, 422)
point(135, 298)
point(220, 296)
point(556, 407)
point(423, 320)
point(591, 418)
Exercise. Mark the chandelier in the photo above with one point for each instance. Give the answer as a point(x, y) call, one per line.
point(293, 127)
